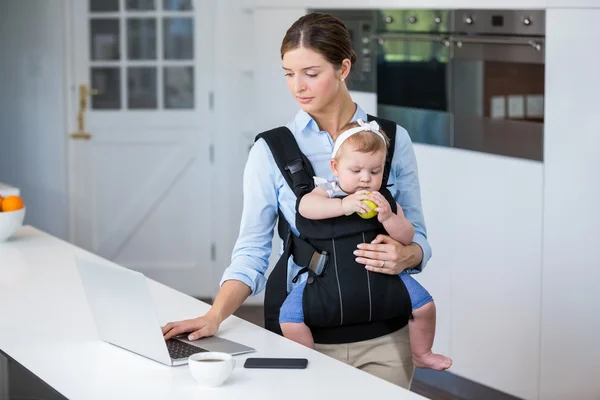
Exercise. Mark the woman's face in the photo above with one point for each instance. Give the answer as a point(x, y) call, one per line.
point(312, 80)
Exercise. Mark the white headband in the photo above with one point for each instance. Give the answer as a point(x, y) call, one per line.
point(364, 126)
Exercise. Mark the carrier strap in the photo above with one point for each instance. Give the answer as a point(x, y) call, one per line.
point(293, 164)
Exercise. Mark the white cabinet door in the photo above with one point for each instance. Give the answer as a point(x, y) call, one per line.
point(484, 219)
point(138, 183)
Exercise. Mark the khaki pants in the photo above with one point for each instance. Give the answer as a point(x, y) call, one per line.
point(388, 357)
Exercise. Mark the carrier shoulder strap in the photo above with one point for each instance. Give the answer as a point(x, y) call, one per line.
point(389, 127)
point(293, 164)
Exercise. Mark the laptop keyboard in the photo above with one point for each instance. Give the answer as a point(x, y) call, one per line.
point(178, 349)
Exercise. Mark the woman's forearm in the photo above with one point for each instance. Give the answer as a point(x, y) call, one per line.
point(314, 206)
point(399, 228)
point(230, 297)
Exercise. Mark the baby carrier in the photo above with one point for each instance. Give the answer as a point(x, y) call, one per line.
point(342, 301)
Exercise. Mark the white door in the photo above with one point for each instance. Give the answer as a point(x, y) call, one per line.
point(140, 97)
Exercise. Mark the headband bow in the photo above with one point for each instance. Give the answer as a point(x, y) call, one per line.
point(372, 126)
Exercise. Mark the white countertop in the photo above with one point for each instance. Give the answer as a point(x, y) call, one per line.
point(45, 325)
point(7, 190)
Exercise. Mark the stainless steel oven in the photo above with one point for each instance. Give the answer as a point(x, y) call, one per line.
point(470, 79)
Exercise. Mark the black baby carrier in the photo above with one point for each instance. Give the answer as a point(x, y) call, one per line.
point(342, 301)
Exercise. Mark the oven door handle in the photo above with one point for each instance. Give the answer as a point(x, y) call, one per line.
point(537, 43)
point(444, 39)
point(458, 41)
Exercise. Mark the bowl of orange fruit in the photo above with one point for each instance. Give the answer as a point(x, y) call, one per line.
point(12, 213)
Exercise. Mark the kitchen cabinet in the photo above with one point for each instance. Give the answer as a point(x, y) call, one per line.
point(484, 221)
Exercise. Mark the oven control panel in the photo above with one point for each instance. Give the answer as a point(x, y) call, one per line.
point(500, 22)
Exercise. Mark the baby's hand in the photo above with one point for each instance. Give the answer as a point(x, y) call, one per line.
point(383, 206)
point(353, 203)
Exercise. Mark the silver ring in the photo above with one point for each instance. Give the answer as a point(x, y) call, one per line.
point(383, 265)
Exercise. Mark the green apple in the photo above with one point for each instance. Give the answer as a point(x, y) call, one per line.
point(372, 206)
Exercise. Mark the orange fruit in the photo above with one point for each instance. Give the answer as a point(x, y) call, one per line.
point(1, 198)
point(12, 203)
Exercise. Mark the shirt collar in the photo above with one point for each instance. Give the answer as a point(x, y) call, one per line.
point(303, 119)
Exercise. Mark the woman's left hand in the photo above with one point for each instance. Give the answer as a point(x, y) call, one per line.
point(388, 256)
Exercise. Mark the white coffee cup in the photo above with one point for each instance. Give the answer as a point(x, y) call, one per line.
point(211, 368)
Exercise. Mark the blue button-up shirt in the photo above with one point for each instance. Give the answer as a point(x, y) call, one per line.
point(265, 190)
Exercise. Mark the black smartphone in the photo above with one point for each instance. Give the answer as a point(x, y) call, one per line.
point(277, 363)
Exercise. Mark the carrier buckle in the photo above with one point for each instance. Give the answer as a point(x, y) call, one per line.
point(295, 166)
point(318, 262)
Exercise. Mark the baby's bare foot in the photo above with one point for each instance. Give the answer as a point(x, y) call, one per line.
point(434, 361)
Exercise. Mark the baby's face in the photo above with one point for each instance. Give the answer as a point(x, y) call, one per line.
point(359, 171)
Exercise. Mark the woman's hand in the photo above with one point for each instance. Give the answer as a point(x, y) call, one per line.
point(387, 256)
point(230, 297)
point(204, 326)
point(353, 203)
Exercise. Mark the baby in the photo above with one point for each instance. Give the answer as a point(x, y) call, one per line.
point(358, 162)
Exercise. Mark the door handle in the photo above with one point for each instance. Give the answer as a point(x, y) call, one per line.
point(81, 136)
point(84, 92)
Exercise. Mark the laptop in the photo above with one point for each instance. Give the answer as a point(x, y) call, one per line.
point(125, 316)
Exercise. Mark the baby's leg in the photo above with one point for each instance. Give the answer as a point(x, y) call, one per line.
point(421, 329)
point(291, 318)
point(298, 332)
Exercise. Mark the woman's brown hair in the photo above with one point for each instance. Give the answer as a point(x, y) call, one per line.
point(322, 33)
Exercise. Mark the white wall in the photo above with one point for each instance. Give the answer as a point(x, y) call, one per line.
point(234, 95)
point(32, 109)
point(265, 96)
point(570, 342)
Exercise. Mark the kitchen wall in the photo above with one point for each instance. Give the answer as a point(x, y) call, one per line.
point(271, 104)
point(497, 225)
point(234, 96)
point(570, 350)
point(33, 153)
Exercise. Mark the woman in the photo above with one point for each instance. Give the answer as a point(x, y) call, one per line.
point(317, 58)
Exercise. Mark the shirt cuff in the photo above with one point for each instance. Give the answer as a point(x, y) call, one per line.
point(424, 245)
point(253, 279)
